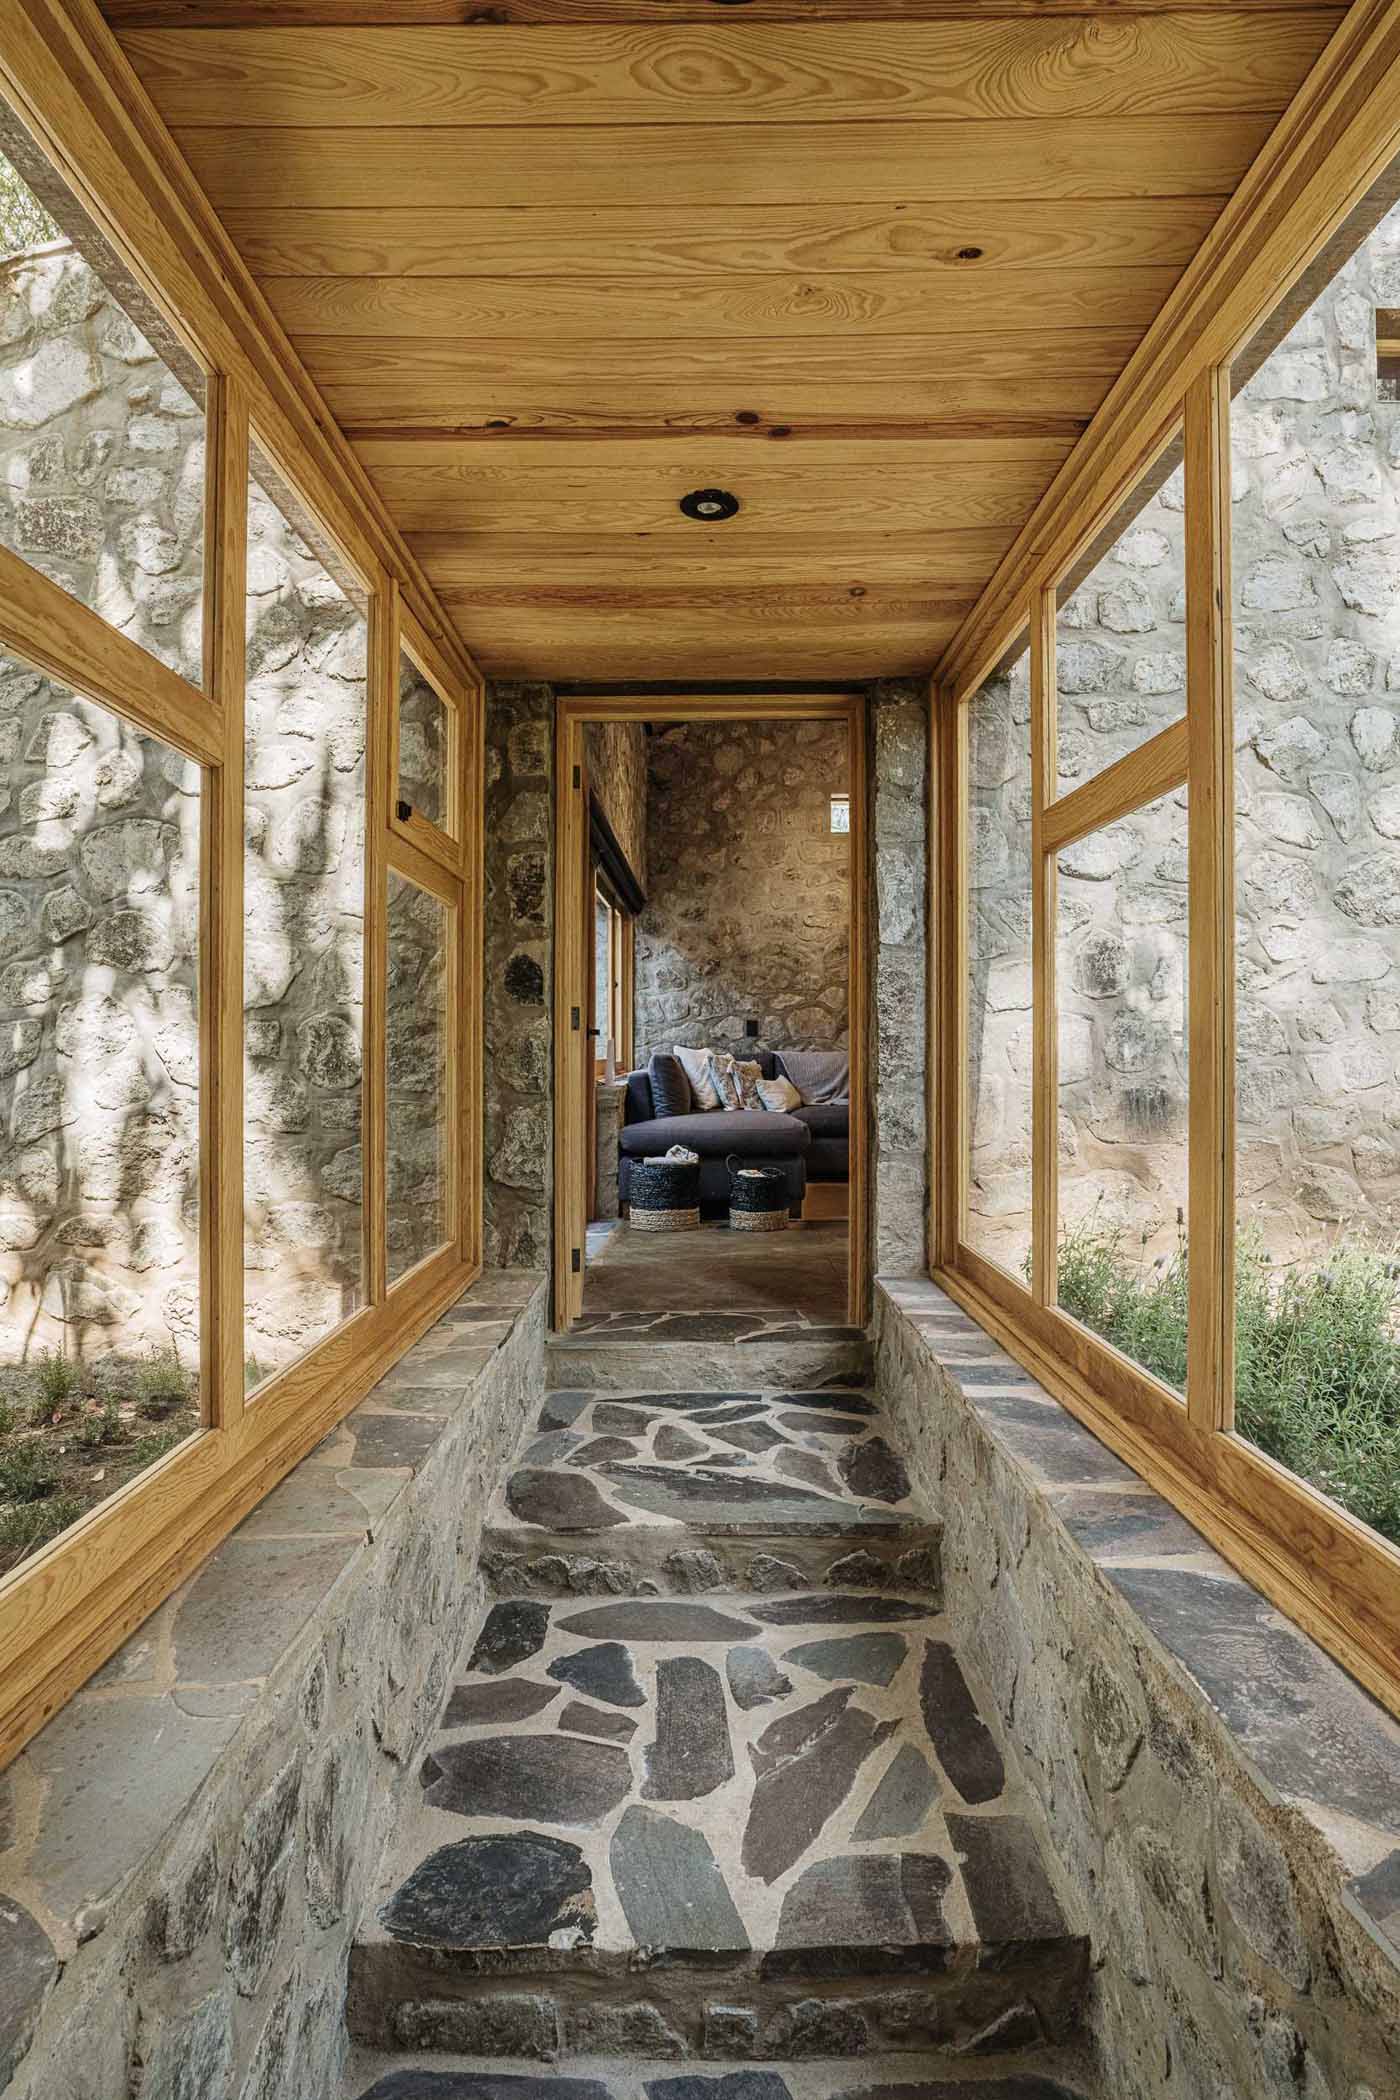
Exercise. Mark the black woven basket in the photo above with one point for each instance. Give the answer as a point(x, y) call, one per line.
point(663, 1195)
point(758, 1200)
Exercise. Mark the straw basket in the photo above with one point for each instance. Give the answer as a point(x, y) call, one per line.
point(663, 1195)
point(758, 1200)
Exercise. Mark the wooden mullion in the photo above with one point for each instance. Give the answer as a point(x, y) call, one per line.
point(1210, 1340)
point(405, 856)
point(860, 1028)
point(1045, 1120)
point(381, 704)
point(573, 1141)
point(1140, 777)
point(471, 774)
point(221, 911)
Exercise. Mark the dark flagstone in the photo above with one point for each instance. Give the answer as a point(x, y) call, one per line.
point(852, 1403)
point(754, 1678)
point(791, 1805)
point(806, 1465)
point(668, 1620)
point(513, 1631)
point(600, 1448)
point(872, 1469)
point(604, 1672)
point(870, 1658)
point(825, 1425)
point(509, 1891)
point(901, 1802)
point(416, 2084)
point(618, 1420)
point(550, 1450)
point(793, 1732)
point(513, 1699)
point(749, 1436)
point(745, 1411)
point(957, 1731)
point(551, 1779)
point(591, 1720)
point(883, 1909)
point(691, 1755)
point(688, 1402)
point(836, 1611)
point(28, 1965)
point(559, 1502)
point(562, 1409)
point(1020, 2086)
point(669, 1884)
point(673, 1442)
point(734, 2085)
point(1005, 1879)
point(700, 1496)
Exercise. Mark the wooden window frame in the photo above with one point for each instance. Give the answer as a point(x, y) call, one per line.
point(65, 1610)
point(1294, 217)
point(622, 934)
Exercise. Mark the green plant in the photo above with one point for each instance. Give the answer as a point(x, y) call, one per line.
point(56, 1382)
point(1317, 1359)
point(27, 1526)
point(147, 1449)
point(27, 1472)
point(98, 1426)
point(161, 1385)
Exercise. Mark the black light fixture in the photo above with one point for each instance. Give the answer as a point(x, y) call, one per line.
point(710, 506)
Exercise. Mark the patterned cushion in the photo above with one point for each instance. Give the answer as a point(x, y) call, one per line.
point(778, 1095)
point(735, 1081)
point(670, 1089)
point(696, 1065)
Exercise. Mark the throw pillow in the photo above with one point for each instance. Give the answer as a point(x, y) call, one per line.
point(818, 1075)
point(779, 1096)
point(724, 1079)
point(670, 1089)
point(749, 1076)
point(696, 1066)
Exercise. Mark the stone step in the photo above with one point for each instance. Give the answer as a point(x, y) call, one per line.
point(372, 2076)
point(714, 1350)
point(683, 1491)
point(770, 1825)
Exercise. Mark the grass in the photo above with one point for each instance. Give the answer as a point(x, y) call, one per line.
point(71, 1434)
point(1317, 1359)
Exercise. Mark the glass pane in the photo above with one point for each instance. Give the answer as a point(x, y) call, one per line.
point(304, 879)
point(1120, 636)
point(1120, 975)
point(423, 743)
point(99, 1091)
point(602, 966)
point(998, 1221)
point(1315, 440)
point(418, 1120)
point(101, 444)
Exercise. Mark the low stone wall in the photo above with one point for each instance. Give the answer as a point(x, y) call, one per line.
point(1224, 1798)
point(186, 1850)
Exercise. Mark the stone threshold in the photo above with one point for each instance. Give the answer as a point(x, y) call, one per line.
point(94, 1808)
point(1058, 2075)
point(1321, 1751)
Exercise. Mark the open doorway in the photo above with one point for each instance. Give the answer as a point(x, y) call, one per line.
point(710, 1002)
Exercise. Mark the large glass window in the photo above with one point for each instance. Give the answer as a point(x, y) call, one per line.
point(424, 746)
point(419, 1114)
point(1315, 441)
point(1121, 1031)
point(997, 1223)
point(304, 881)
point(101, 439)
point(99, 1091)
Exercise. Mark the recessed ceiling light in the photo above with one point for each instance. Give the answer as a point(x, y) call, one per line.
point(710, 506)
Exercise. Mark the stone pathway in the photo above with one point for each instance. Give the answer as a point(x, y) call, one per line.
point(399, 2080)
point(721, 1790)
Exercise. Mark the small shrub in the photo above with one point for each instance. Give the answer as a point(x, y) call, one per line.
point(56, 1382)
point(98, 1426)
point(161, 1385)
point(147, 1449)
point(9, 1416)
point(27, 1526)
point(27, 1473)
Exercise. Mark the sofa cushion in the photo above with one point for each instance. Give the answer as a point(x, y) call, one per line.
point(714, 1132)
point(818, 1075)
point(826, 1119)
point(670, 1088)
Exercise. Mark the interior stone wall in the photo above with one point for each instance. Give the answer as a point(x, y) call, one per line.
point(896, 1096)
point(748, 900)
point(1316, 579)
point(519, 974)
point(617, 774)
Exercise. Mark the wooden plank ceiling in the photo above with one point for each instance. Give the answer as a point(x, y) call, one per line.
point(871, 267)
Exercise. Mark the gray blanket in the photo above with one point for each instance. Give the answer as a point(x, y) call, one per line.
point(818, 1075)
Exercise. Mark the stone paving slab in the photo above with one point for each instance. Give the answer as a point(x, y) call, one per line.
point(371, 2077)
point(688, 1490)
point(782, 1354)
point(808, 1824)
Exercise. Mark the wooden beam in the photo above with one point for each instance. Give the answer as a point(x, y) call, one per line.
point(976, 240)
point(1045, 1018)
point(417, 440)
point(465, 562)
point(483, 309)
point(540, 464)
point(696, 164)
point(731, 72)
point(492, 15)
point(1154, 769)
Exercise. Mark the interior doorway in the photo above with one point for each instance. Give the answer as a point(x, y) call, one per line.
point(613, 1111)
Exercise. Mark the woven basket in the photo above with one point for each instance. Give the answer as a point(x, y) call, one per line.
point(663, 1195)
point(758, 1200)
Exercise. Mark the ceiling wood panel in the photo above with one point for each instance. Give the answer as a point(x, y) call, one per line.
point(1104, 65)
point(873, 266)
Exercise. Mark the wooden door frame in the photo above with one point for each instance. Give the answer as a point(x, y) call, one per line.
point(573, 712)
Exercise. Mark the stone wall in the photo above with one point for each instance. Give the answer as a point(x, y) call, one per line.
point(748, 906)
point(896, 1093)
point(187, 1850)
point(519, 973)
point(1223, 1799)
point(1316, 578)
point(617, 774)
